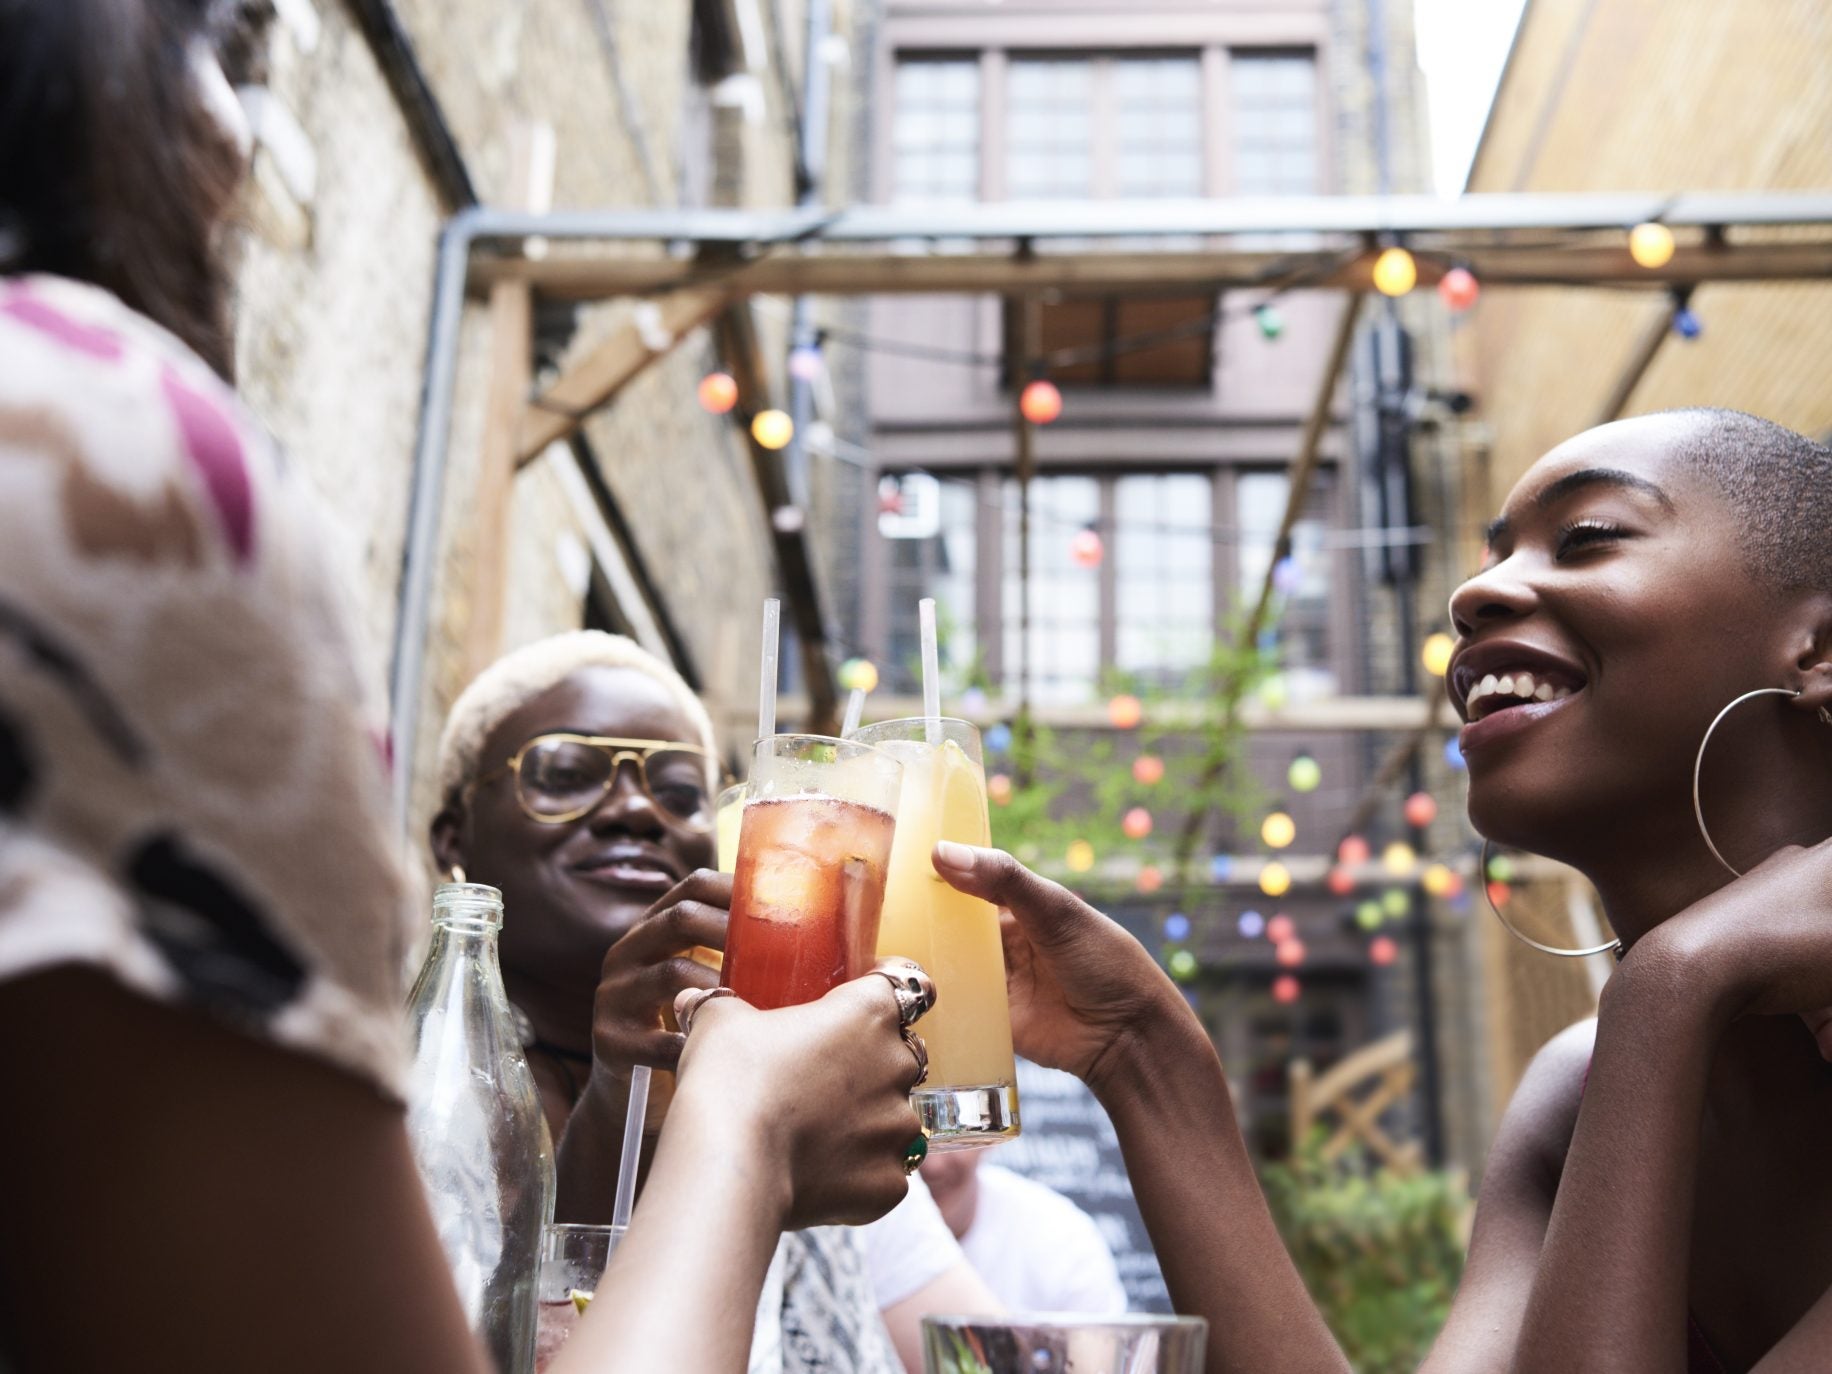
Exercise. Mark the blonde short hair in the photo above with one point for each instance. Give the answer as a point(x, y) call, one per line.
point(518, 677)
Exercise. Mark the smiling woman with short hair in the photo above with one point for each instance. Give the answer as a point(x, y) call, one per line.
point(1657, 1197)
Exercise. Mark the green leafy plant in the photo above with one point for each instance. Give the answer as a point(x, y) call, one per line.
point(1381, 1252)
point(1069, 785)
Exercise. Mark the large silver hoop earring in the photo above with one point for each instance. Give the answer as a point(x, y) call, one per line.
point(1698, 764)
point(1482, 876)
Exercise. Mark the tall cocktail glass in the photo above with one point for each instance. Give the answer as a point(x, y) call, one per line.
point(812, 853)
point(971, 1096)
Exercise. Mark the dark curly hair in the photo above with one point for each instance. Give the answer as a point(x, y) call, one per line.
point(111, 168)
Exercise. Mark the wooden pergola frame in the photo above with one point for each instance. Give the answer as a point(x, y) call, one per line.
point(703, 267)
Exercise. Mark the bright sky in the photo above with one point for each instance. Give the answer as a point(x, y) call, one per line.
point(1462, 45)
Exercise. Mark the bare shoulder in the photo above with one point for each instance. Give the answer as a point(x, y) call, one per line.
point(1519, 1184)
point(1535, 1134)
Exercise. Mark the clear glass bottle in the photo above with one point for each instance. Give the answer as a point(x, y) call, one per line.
point(474, 1116)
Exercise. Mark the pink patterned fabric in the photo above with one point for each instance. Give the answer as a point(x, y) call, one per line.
point(191, 799)
point(24, 306)
point(211, 442)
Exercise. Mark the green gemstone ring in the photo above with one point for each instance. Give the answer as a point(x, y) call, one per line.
point(914, 1153)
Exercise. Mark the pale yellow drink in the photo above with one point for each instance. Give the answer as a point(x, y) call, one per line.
point(971, 1096)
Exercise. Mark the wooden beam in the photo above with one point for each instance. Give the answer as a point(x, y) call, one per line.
point(1417, 219)
point(1653, 334)
point(1303, 466)
point(743, 357)
point(594, 378)
point(511, 377)
point(815, 269)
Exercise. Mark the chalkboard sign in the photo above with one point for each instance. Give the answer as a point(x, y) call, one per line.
point(1069, 1144)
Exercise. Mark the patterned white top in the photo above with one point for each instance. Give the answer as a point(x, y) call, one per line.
point(193, 787)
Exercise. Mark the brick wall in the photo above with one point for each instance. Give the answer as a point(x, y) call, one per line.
point(332, 296)
point(334, 293)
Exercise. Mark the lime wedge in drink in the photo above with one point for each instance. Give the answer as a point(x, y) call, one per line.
point(582, 1299)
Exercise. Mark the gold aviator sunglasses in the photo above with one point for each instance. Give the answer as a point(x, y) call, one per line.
point(560, 777)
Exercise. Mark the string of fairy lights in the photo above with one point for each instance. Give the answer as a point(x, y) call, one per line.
point(1352, 868)
point(1373, 885)
point(1394, 274)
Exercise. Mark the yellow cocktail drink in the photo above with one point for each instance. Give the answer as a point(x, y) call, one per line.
point(971, 1096)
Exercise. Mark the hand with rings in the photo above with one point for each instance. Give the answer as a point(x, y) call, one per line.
point(915, 994)
point(823, 1088)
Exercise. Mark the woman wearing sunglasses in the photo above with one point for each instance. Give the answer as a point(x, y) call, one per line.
point(580, 778)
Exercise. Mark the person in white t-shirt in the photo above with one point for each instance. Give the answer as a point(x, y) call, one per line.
point(1034, 1248)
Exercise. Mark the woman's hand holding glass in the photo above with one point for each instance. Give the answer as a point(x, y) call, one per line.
point(1085, 996)
point(647, 969)
point(640, 978)
point(814, 1097)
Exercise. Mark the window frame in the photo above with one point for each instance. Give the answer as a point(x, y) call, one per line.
point(989, 543)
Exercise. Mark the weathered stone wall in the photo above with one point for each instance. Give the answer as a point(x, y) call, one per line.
point(334, 291)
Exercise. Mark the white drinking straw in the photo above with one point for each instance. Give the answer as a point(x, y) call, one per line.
point(855, 712)
point(638, 1111)
point(931, 672)
point(766, 687)
point(632, 1146)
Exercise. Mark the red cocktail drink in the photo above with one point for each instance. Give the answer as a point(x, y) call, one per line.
point(814, 845)
point(806, 897)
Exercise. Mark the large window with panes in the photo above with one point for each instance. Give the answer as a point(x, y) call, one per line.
point(1172, 558)
point(1179, 548)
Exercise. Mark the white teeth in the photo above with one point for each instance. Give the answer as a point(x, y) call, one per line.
point(1517, 684)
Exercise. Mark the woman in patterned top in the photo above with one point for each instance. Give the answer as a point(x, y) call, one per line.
point(204, 1163)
